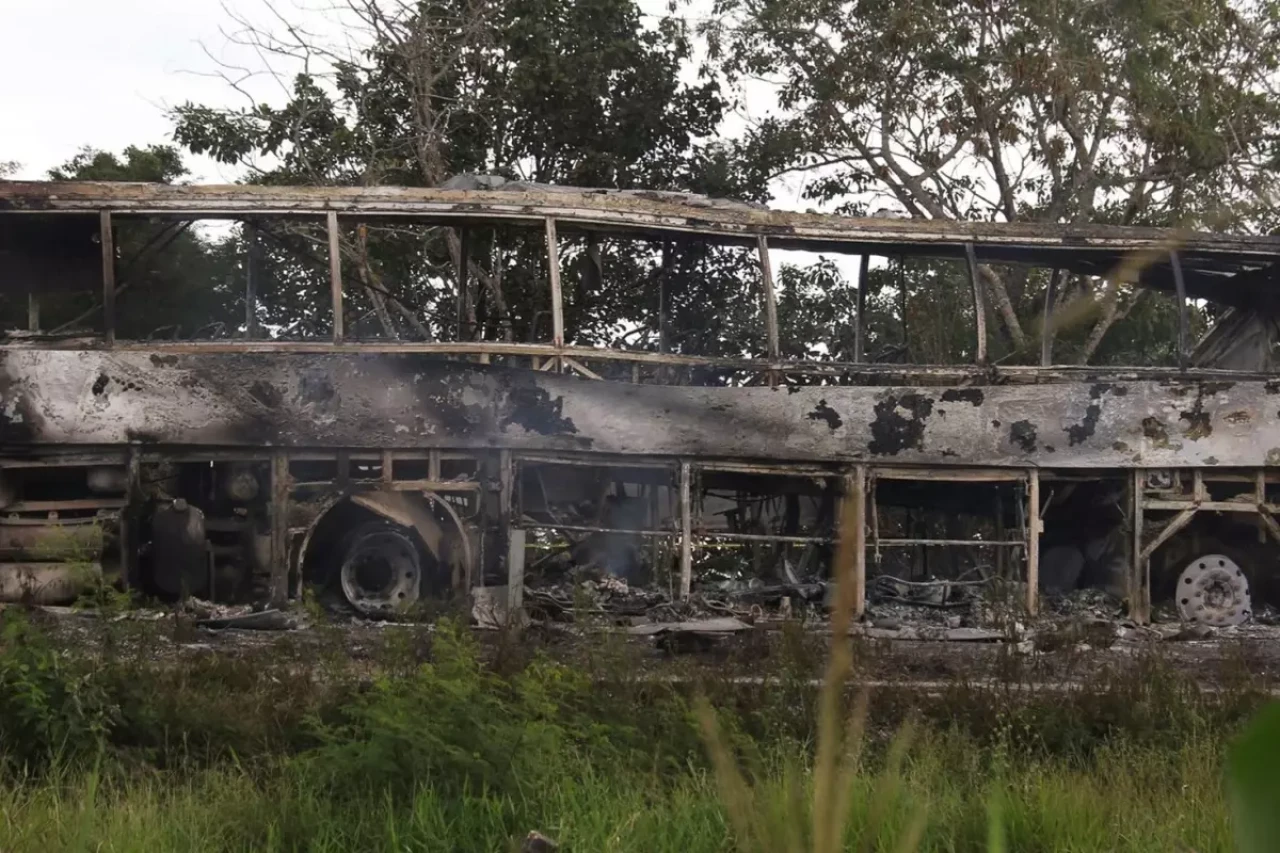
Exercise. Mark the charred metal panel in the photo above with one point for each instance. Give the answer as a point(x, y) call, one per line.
point(388, 401)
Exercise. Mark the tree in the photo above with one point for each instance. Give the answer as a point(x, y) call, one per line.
point(574, 92)
point(1159, 112)
point(169, 279)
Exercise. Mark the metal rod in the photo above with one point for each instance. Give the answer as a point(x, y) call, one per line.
point(859, 321)
point(1180, 285)
point(463, 280)
point(1138, 589)
point(335, 273)
point(278, 587)
point(557, 299)
point(251, 273)
point(773, 344)
point(686, 530)
point(515, 572)
point(590, 528)
point(855, 490)
point(979, 302)
point(1046, 331)
point(1034, 528)
point(33, 312)
point(976, 543)
point(107, 240)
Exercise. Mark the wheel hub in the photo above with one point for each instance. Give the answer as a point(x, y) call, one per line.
point(381, 572)
point(1212, 590)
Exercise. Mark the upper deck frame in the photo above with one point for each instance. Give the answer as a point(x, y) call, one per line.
point(1242, 272)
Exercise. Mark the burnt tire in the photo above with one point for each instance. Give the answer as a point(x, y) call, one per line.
point(381, 567)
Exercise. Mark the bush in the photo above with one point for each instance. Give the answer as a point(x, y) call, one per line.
point(455, 725)
point(52, 706)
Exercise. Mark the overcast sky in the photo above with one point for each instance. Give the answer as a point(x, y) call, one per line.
point(104, 72)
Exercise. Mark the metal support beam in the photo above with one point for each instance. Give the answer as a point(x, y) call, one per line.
point(772, 343)
point(252, 270)
point(686, 530)
point(107, 240)
point(1179, 521)
point(855, 491)
point(515, 574)
point(335, 273)
point(1180, 286)
point(279, 582)
point(1046, 325)
point(463, 279)
point(979, 302)
point(557, 299)
point(859, 322)
point(1139, 589)
point(1034, 528)
point(127, 537)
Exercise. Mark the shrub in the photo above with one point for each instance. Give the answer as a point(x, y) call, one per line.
point(52, 706)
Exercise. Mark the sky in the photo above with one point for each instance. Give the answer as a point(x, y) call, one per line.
point(103, 73)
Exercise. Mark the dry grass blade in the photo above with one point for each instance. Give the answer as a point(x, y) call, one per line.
point(828, 806)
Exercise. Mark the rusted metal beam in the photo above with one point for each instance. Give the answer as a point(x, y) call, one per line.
point(855, 491)
point(979, 302)
point(1178, 522)
point(848, 372)
point(107, 240)
point(772, 343)
point(557, 298)
point(597, 209)
point(252, 270)
point(463, 282)
point(686, 530)
point(1139, 585)
point(335, 273)
point(860, 321)
point(1035, 527)
point(278, 584)
point(1180, 289)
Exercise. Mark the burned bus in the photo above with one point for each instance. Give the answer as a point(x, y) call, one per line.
point(251, 465)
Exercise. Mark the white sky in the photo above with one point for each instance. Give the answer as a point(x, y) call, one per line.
point(103, 73)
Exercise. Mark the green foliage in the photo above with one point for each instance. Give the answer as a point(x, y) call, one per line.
point(573, 92)
point(53, 706)
point(1254, 784)
point(459, 725)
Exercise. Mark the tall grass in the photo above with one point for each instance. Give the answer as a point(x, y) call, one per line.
point(1122, 799)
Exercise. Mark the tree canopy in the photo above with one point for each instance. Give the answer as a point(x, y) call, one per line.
point(1159, 112)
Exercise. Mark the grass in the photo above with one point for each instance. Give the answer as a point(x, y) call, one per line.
point(1122, 798)
point(434, 743)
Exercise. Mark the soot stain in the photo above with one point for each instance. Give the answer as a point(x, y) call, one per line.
point(100, 384)
point(973, 396)
point(1083, 431)
point(823, 412)
point(1079, 433)
point(1023, 434)
point(266, 394)
point(891, 431)
point(533, 409)
point(1155, 430)
point(1198, 422)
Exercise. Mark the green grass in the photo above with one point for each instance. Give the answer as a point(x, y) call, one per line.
point(446, 748)
point(1122, 798)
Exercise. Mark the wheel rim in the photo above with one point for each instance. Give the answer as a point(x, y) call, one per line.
point(1212, 590)
point(381, 572)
